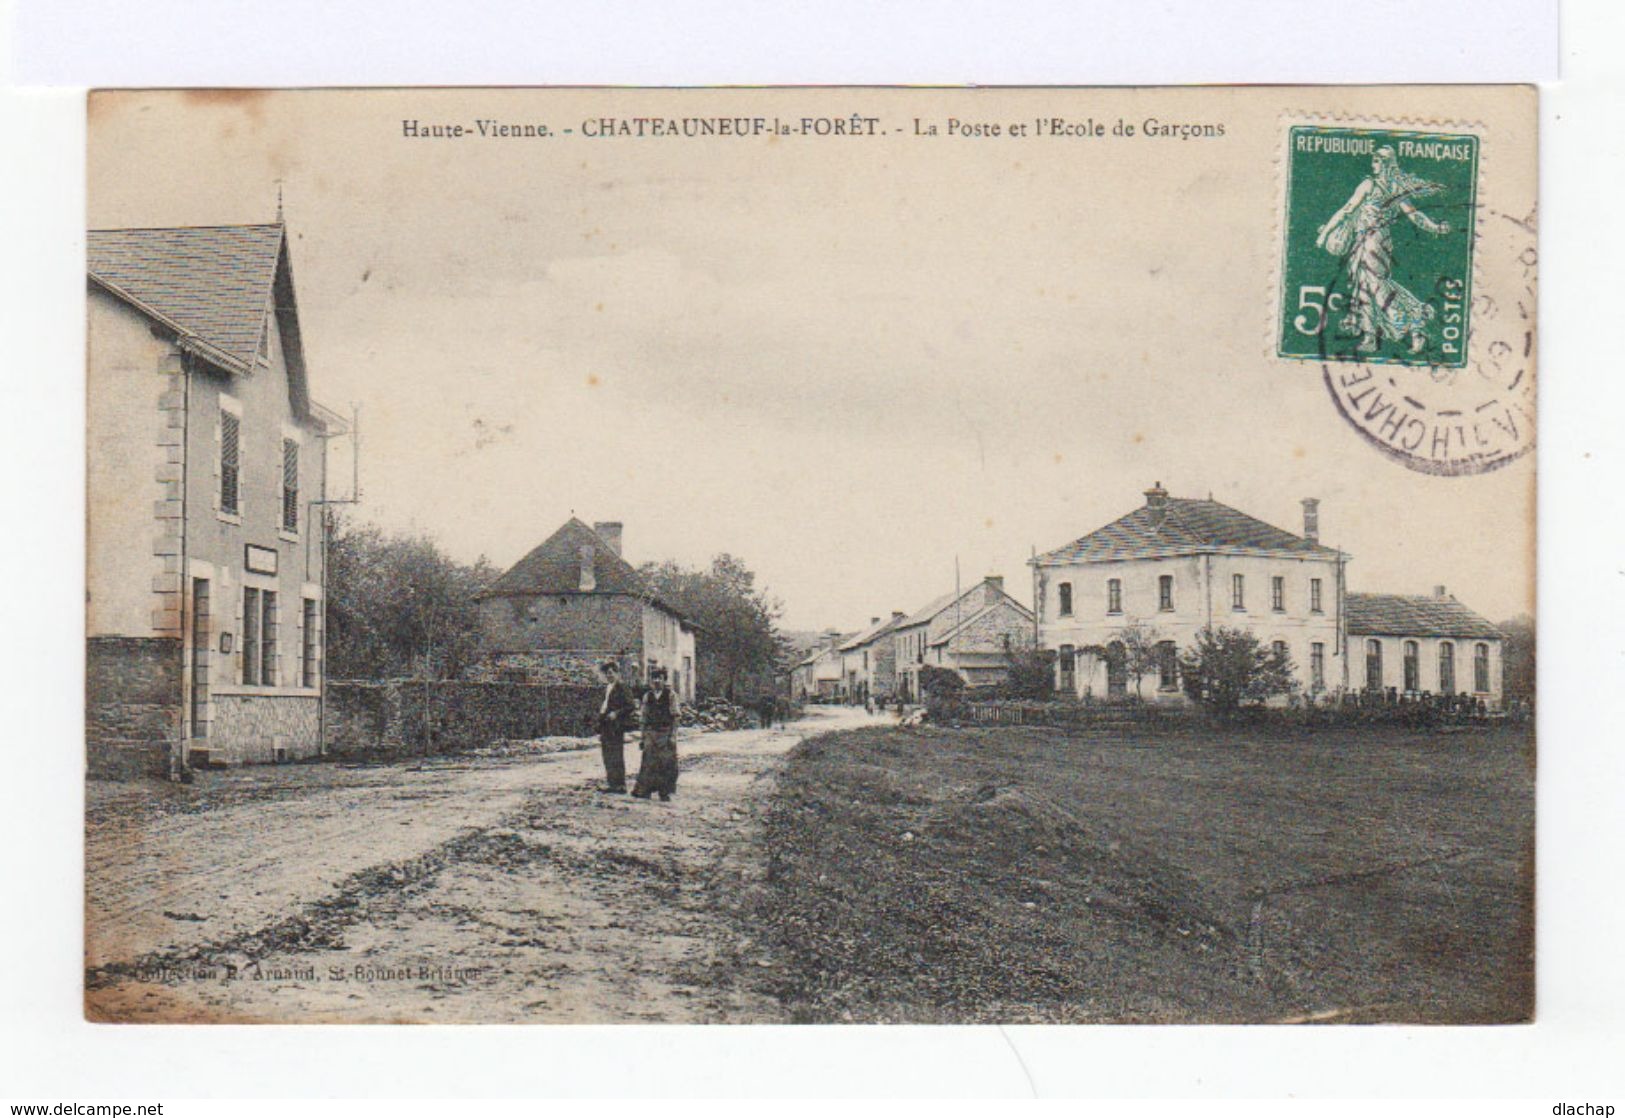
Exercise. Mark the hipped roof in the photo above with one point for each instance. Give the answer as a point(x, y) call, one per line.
point(1416, 615)
point(554, 567)
point(1187, 527)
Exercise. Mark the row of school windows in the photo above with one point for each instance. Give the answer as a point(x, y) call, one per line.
point(231, 471)
point(1167, 662)
point(261, 659)
point(1165, 595)
point(1411, 658)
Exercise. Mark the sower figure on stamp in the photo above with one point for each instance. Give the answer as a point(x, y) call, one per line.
point(1358, 232)
point(614, 714)
point(657, 774)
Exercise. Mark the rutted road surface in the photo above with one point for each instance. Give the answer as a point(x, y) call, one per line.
point(500, 889)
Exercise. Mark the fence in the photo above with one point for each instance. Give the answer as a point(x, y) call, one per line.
point(1033, 713)
point(447, 716)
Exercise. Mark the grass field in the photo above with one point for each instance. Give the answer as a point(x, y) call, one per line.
point(1034, 874)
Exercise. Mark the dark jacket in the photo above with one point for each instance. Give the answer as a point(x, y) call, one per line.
point(658, 715)
point(617, 718)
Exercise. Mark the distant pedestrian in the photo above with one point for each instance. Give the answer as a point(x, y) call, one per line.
point(657, 774)
point(614, 715)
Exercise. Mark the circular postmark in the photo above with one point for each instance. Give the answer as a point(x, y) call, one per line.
point(1447, 387)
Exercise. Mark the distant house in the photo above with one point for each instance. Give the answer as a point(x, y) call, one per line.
point(206, 479)
point(970, 633)
point(818, 675)
point(1425, 645)
point(573, 603)
point(869, 660)
point(1178, 566)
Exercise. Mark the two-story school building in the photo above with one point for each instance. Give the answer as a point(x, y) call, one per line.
point(1174, 567)
point(206, 478)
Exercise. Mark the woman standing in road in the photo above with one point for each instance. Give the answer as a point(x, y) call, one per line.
point(657, 771)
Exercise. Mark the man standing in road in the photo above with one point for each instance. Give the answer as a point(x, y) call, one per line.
point(614, 713)
point(657, 775)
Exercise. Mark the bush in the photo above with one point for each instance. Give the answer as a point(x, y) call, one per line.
point(1229, 667)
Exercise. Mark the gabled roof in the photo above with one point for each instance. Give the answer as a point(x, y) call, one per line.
point(1415, 615)
point(1026, 613)
point(936, 606)
point(554, 567)
point(210, 281)
point(1187, 527)
point(875, 631)
point(213, 285)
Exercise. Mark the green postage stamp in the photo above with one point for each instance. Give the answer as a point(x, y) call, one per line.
point(1377, 259)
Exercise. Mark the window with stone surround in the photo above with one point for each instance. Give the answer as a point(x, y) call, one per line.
point(1314, 596)
point(1238, 591)
point(1064, 592)
point(1167, 666)
point(230, 463)
point(1278, 594)
point(290, 485)
point(259, 637)
point(309, 643)
point(1165, 592)
point(1114, 595)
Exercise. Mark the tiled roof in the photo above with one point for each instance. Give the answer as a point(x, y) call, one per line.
point(213, 282)
point(1407, 615)
point(864, 636)
point(1188, 527)
point(554, 567)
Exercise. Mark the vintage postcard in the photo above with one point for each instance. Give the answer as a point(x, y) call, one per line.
point(811, 555)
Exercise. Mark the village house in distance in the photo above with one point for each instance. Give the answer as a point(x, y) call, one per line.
point(573, 603)
point(971, 633)
point(1176, 566)
point(206, 477)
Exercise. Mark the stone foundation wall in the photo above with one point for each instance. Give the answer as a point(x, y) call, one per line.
point(255, 729)
point(551, 667)
point(423, 717)
point(132, 704)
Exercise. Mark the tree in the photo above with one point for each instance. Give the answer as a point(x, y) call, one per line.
point(1229, 667)
point(1140, 654)
point(399, 606)
point(737, 646)
point(1518, 658)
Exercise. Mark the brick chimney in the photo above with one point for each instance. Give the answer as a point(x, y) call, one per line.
point(1440, 592)
point(995, 588)
point(610, 532)
point(1311, 519)
point(589, 579)
point(1156, 499)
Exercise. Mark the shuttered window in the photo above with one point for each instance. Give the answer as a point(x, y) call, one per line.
point(290, 485)
point(230, 463)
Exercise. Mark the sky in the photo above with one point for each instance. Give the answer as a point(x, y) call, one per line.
point(858, 363)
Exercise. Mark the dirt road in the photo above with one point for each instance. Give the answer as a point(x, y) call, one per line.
point(495, 889)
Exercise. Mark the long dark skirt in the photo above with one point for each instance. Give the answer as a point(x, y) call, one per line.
point(657, 773)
